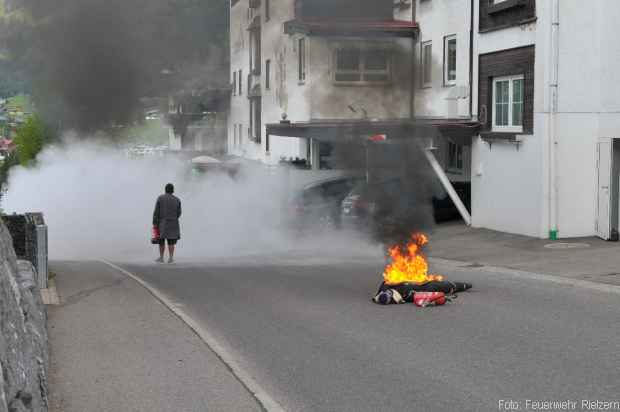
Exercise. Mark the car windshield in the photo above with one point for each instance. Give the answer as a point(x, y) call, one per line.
point(328, 190)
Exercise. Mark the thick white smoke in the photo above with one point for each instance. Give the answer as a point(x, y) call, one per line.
point(98, 203)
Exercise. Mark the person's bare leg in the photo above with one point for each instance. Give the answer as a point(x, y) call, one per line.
point(171, 253)
point(162, 249)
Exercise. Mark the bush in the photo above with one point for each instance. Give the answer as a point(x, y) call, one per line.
point(10, 161)
point(31, 137)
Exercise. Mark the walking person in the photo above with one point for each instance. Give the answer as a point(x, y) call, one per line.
point(166, 218)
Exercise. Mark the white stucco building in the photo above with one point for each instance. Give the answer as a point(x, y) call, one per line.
point(534, 78)
point(443, 76)
point(546, 162)
point(315, 61)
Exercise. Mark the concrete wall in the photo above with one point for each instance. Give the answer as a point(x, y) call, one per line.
point(238, 41)
point(315, 98)
point(239, 60)
point(506, 196)
point(174, 141)
point(330, 101)
point(23, 334)
point(285, 95)
point(508, 180)
point(589, 106)
point(438, 19)
point(588, 109)
point(210, 134)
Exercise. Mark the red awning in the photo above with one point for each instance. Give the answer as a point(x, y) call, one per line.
point(352, 27)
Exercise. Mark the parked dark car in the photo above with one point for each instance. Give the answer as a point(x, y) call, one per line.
point(443, 207)
point(361, 209)
point(317, 205)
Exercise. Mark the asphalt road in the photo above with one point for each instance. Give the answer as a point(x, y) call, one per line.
point(116, 348)
point(309, 334)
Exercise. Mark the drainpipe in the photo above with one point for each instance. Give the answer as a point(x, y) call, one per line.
point(413, 65)
point(554, 56)
point(413, 80)
point(471, 58)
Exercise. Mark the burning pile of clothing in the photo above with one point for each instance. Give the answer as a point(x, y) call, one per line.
point(406, 278)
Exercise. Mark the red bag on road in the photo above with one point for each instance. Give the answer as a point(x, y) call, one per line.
point(424, 299)
point(155, 236)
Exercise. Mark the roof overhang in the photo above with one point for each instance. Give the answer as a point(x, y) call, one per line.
point(361, 129)
point(352, 27)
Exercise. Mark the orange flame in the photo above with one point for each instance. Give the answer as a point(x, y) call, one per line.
point(408, 264)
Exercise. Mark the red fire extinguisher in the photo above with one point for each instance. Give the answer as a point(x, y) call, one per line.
point(155, 235)
point(424, 299)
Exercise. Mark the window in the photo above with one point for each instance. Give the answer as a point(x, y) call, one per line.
point(356, 65)
point(375, 66)
point(240, 82)
point(508, 104)
point(455, 157)
point(258, 123)
point(348, 62)
point(301, 50)
point(255, 52)
point(251, 128)
point(427, 63)
point(449, 60)
point(255, 119)
point(267, 74)
point(267, 10)
point(234, 84)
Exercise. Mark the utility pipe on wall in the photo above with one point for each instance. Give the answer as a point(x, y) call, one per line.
point(553, 109)
point(471, 57)
point(448, 186)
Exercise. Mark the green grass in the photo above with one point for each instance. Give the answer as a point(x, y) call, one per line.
point(18, 14)
point(151, 132)
point(22, 101)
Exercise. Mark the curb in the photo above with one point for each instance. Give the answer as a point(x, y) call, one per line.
point(49, 296)
point(266, 402)
point(586, 284)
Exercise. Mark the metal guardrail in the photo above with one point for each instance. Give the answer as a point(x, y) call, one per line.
point(30, 241)
point(42, 256)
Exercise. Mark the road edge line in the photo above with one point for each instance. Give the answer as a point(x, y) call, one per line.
point(265, 401)
point(586, 284)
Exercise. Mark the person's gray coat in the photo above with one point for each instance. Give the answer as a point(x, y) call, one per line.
point(166, 216)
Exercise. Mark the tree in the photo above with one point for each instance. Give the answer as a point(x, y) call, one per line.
point(10, 161)
point(90, 61)
point(31, 138)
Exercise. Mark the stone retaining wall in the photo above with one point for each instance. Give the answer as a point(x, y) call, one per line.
point(23, 334)
point(23, 232)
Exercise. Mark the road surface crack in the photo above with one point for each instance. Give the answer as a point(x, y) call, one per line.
point(75, 298)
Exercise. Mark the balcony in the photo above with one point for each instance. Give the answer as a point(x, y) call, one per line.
point(351, 27)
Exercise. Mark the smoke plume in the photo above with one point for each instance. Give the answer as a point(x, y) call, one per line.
point(98, 203)
point(92, 60)
point(400, 185)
